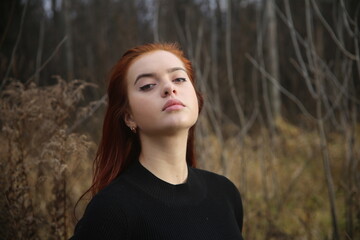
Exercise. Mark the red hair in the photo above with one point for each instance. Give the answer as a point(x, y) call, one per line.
point(119, 146)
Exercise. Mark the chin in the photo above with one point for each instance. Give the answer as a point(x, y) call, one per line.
point(168, 126)
point(181, 124)
point(177, 127)
point(171, 129)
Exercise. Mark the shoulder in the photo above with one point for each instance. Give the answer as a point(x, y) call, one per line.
point(223, 189)
point(220, 187)
point(104, 216)
point(115, 196)
point(105, 206)
point(214, 179)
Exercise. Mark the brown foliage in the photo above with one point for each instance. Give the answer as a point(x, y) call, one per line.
point(281, 179)
point(42, 163)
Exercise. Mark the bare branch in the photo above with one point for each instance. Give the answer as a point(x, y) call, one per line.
point(333, 35)
point(281, 88)
point(92, 110)
point(47, 60)
point(40, 50)
point(299, 57)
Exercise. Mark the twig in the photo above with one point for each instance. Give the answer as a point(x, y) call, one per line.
point(47, 60)
point(249, 123)
point(347, 19)
point(333, 35)
point(40, 50)
point(299, 57)
point(281, 88)
point(318, 58)
point(93, 109)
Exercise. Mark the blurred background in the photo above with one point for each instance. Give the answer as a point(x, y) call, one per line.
point(281, 85)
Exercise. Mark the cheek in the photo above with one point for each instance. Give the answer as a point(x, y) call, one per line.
point(195, 101)
point(141, 108)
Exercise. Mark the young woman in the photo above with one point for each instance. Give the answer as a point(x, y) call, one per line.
point(146, 185)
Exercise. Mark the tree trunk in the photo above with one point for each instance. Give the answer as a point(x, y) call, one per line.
point(273, 59)
point(229, 66)
point(214, 59)
point(156, 20)
point(69, 48)
point(39, 52)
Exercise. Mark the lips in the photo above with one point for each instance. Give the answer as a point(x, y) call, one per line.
point(173, 104)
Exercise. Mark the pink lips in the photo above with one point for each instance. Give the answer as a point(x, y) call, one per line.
point(173, 104)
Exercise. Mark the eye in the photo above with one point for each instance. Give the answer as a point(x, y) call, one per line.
point(179, 80)
point(147, 87)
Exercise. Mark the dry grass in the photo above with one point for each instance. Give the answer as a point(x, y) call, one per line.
point(45, 167)
point(282, 181)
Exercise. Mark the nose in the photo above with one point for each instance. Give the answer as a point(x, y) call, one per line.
point(168, 90)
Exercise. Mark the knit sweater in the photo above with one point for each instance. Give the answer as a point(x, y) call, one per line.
point(138, 205)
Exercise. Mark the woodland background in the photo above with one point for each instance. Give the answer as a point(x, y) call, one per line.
point(281, 118)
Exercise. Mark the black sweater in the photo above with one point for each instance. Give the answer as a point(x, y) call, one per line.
point(138, 205)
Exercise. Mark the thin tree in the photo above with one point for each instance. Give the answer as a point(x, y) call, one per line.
point(68, 45)
point(273, 59)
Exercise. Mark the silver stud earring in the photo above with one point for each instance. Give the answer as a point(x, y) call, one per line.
point(133, 129)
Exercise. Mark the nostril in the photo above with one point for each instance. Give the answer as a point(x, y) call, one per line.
point(168, 90)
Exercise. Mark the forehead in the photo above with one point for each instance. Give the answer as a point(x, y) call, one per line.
point(154, 62)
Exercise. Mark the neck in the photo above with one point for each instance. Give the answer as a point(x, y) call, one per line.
point(165, 156)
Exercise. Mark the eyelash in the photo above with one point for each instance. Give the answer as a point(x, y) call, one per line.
point(147, 87)
point(181, 80)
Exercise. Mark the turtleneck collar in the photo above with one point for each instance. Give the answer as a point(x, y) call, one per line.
point(190, 192)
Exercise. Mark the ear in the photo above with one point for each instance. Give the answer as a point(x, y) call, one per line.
point(129, 120)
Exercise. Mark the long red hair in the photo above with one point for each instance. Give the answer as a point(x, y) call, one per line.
point(119, 146)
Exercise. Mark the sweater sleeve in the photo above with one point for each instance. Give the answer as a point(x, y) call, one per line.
point(103, 219)
point(239, 209)
point(238, 206)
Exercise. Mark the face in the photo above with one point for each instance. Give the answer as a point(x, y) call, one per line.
point(161, 96)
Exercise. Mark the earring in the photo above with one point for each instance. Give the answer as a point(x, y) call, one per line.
point(133, 129)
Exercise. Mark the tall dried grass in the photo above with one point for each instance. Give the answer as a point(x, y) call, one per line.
point(45, 168)
point(281, 179)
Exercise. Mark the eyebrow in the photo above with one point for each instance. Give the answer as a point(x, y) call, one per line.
point(153, 75)
point(170, 70)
